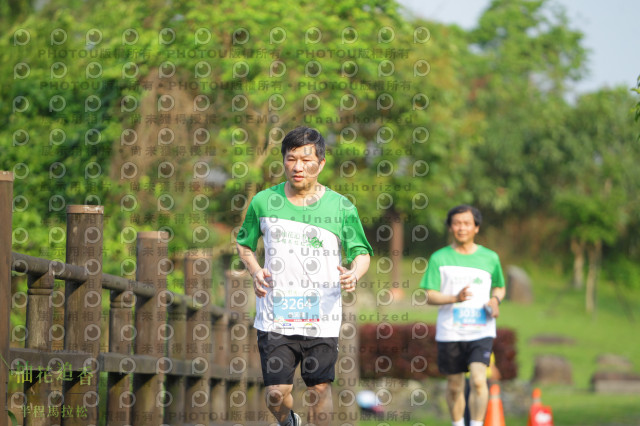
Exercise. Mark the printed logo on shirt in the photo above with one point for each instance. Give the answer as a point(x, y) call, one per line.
point(315, 242)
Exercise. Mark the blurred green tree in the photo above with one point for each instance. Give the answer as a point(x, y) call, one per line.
point(526, 55)
point(596, 190)
point(171, 114)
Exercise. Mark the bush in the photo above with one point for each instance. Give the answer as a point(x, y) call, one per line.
point(409, 351)
point(623, 271)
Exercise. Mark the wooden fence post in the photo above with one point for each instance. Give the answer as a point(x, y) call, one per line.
point(197, 280)
point(121, 335)
point(6, 206)
point(348, 366)
point(255, 389)
point(39, 322)
point(82, 312)
point(151, 315)
point(176, 350)
point(221, 339)
point(238, 301)
point(218, 398)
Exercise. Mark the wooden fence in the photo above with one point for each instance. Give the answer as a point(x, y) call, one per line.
point(176, 359)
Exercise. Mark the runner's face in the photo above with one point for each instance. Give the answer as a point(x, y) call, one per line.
point(463, 228)
point(301, 166)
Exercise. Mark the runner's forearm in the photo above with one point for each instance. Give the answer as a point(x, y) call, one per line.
point(434, 297)
point(499, 292)
point(249, 259)
point(360, 265)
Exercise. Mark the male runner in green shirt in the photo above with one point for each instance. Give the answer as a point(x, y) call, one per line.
point(466, 280)
point(305, 227)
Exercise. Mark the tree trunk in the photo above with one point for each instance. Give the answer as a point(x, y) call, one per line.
point(396, 244)
point(595, 252)
point(577, 248)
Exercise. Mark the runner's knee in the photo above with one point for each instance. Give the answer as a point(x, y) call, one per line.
point(455, 385)
point(321, 388)
point(276, 393)
point(478, 383)
point(318, 393)
point(478, 376)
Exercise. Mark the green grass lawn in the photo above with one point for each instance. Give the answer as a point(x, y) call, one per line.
point(570, 407)
point(559, 310)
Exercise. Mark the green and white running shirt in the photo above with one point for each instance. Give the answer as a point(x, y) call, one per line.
point(449, 272)
point(303, 247)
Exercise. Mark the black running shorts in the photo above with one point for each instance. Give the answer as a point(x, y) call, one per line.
point(455, 357)
point(280, 356)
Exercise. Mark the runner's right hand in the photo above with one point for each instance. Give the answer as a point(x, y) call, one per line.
point(261, 280)
point(465, 294)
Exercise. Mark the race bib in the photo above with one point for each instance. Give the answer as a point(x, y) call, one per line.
point(469, 317)
point(302, 308)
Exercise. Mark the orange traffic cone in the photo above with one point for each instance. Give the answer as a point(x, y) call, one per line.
point(495, 414)
point(539, 415)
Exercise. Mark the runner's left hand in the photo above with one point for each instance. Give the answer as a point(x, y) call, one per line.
point(348, 279)
point(494, 306)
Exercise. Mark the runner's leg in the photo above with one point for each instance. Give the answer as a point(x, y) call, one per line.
point(279, 401)
point(479, 394)
point(455, 396)
point(321, 404)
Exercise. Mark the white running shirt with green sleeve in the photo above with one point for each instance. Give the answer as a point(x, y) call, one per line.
point(303, 248)
point(449, 272)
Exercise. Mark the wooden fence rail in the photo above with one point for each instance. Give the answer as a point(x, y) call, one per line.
point(168, 360)
point(171, 359)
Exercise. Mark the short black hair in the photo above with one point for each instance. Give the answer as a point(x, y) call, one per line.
point(301, 136)
point(477, 216)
